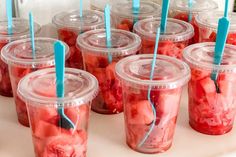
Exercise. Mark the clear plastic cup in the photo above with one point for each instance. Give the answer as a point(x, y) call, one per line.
point(178, 35)
point(70, 25)
point(38, 90)
point(18, 56)
point(170, 75)
point(96, 54)
point(179, 9)
point(211, 112)
point(208, 24)
point(124, 18)
point(20, 30)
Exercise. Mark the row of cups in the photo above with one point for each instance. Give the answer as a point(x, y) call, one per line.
point(120, 85)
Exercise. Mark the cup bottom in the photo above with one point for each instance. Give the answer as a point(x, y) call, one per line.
point(6, 94)
point(210, 130)
point(23, 120)
point(150, 151)
point(99, 106)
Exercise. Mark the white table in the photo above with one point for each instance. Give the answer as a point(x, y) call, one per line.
point(107, 138)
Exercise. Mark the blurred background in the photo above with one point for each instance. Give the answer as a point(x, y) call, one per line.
point(44, 10)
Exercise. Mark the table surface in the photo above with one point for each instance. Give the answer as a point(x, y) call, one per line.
point(107, 137)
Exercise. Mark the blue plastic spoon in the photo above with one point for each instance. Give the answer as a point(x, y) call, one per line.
point(190, 5)
point(164, 15)
point(9, 16)
point(222, 33)
point(108, 30)
point(150, 88)
point(59, 51)
point(31, 23)
point(135, 9)
point(81, 8)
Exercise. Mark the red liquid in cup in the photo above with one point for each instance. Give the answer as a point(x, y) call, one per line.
point(109, 100)
point(139, 116)
point(51, 140)
point(211, 112)
point(69, 37)
point(5, 84)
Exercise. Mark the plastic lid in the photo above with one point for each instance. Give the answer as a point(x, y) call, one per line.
point(169, 72)
point(39, 88)
point(176, 30)
point(198, 5)
point(20, 29)
point(122, 42)
point(202, 56)
point(91, 20)
point(19, 53)
point(147, 9)
point(210, 20)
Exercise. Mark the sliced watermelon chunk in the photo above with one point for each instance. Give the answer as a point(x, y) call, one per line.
point(139, 112)
point(125, 24)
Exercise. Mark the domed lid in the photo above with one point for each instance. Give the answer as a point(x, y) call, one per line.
point(122, 42)
point(147, 9)
point(202, 56)
point(20, 29)
point(39, 88)
point(197, 6)
point(19, 53)
point(91, 20)
point(169, 72)
point(176, 30)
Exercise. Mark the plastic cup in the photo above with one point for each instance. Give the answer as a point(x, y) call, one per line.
point(178, 35)
point(124, 18)
point(179, 9)
point(208, 24)
point(70, 25)
point(18, 56)
point(38, 90)
point(20, 30)
point(95, 54)
point(170, 75)
point(211, 112)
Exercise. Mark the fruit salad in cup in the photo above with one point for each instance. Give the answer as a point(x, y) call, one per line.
point(20, 30)
point(18, 57)
point(50, 137)
point(96, 61)
point(178, 35)
point(208, 23)
point(150, 120)
point(212, 105)
point(179, 9)
point(124, 17)
point(70, 25)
